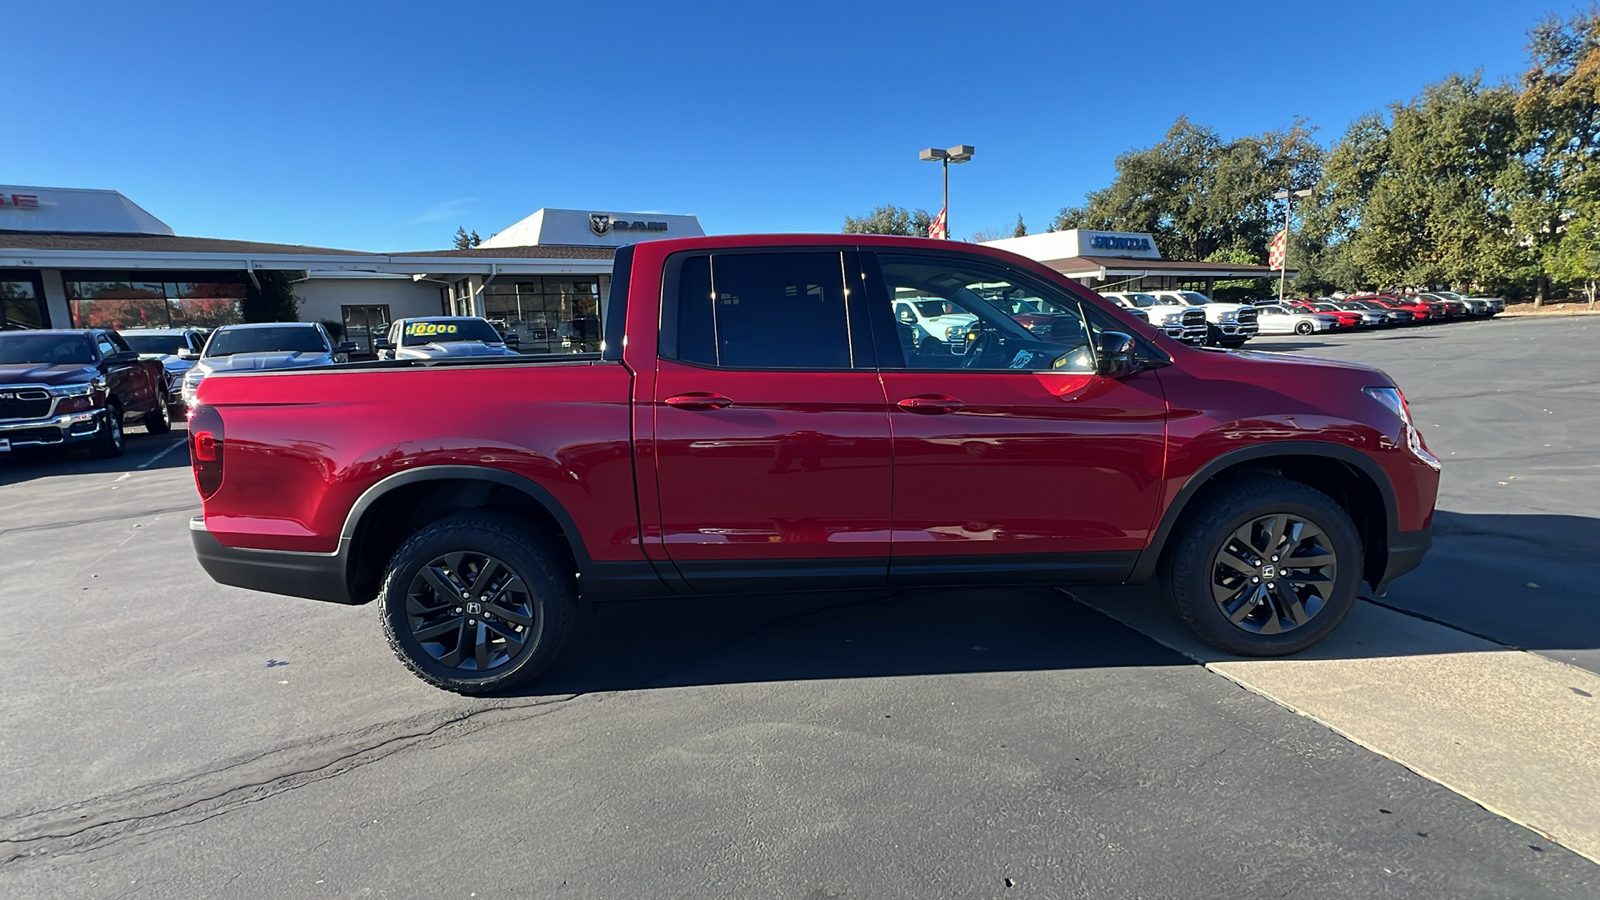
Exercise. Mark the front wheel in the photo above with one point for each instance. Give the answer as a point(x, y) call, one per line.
point(110, 442)
point(476, 603)
point(159, 420)
point(1266, 567)
point(1304, 328)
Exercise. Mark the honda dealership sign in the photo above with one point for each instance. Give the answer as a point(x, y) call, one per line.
point(1082, 242)
point(592, 228)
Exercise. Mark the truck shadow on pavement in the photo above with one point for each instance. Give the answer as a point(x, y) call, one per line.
point(145, 451)
point(1492, 582)
point(675, 643)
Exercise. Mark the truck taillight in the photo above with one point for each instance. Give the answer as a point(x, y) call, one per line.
point(205, 449)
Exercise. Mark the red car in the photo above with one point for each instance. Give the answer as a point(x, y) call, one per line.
point(1344, 317)
point(1424, 311)
point(759, 420)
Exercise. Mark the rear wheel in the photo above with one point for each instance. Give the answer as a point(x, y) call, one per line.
point(1266, 567)
point(110, 442)
point(476, 603)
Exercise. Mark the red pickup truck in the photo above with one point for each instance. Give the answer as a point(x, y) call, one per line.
point(758, 419)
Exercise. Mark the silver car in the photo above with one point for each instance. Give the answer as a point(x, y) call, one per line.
point(258, 347)
point(444, 337)
point(1275, 319)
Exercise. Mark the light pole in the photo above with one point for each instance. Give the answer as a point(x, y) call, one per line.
point(1287, 197)
point(960, 153)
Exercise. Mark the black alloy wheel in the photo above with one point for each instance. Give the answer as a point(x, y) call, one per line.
point(1304, 328)
point(477, 602)
point(1274, 574)
point(469, 611)
point(1263, 566)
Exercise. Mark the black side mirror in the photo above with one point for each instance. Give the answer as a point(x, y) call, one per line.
point(345, 347)
point(122, 357)
point(382, 344)
point(513, 339)
point(1118, 354)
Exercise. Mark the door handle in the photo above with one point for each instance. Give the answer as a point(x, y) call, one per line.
point(698, 400)
point(931, 405)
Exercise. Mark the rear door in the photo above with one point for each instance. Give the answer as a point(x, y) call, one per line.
point(772, 448)
point(1014, 461)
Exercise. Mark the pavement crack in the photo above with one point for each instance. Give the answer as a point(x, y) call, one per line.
point(98, 822)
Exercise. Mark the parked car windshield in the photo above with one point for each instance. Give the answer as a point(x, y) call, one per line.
point(1195, 298)
point(440, 331)
point(169, 344)
point(288, 339)
point(1143, 300)
point(53, 349)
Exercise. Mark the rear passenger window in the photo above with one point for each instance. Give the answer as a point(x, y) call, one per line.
point(764, 311)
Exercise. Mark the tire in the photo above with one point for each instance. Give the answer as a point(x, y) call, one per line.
point(159, 420)
point(1209, 569)
point(111, 441)
point(455, 552)
point(1304, 328)
point(1232, 343)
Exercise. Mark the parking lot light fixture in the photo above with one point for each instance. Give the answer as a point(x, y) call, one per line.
point(1288, 197)
point(958, 154)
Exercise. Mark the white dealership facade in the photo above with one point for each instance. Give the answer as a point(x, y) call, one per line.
point(73, 258)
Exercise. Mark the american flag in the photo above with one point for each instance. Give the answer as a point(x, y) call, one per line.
point(1276, 248)
point(937, 228)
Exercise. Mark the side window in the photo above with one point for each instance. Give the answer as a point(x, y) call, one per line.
point(764, 311)
point(103, 340)
point(118, 342)
point(982, 317)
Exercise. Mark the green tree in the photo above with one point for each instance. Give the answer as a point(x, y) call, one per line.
point(1576, 258)
point(1021, 230)
point(273, 299)
point(466, 240)
point(1198, 194)
point(890, 220)
point(1557, 115)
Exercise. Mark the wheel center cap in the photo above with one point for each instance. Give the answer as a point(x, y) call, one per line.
point(1269, 571)
point(475, 608)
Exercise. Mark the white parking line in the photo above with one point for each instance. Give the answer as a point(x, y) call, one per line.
point(152, 460)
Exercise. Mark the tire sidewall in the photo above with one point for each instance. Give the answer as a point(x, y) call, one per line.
point(515, 549)
point(1192, 572)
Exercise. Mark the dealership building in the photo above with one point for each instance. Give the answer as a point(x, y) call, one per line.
point(1124, 261)
point(72, 258)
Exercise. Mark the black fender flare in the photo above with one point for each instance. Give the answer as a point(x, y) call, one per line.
point(1145, 567)
point(526, 486)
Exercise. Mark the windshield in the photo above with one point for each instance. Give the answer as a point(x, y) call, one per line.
point(52, 349)
point(288, 339)
point(1142, 300)
point(441, 331)
point(169, 344)
point(931, 308)
point(1194, 298)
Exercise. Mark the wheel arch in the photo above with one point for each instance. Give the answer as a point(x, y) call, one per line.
point(398, 506)
point(1353, 479)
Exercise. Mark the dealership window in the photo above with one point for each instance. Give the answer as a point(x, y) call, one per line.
point(21, 301)
point(363, 323)
point(158, 300)
point(551, 313)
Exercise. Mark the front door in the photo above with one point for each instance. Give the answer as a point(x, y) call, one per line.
point(771, 434)
point(1014, 461)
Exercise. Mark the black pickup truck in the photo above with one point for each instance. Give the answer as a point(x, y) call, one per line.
point(70, 387)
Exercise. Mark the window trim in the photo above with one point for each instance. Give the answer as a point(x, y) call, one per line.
point(35, 278)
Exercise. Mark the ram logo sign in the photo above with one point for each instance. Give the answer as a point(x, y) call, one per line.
point(599, 224)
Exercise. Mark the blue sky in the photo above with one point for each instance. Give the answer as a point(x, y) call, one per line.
point(384, 126)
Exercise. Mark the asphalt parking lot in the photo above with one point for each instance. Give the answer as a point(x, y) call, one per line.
point(166, 736)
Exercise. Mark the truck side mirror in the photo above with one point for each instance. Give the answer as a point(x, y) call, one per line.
point(513, 339)
point(382, 344)
point(1118, 354)
point(186, 353)
point(346, 347)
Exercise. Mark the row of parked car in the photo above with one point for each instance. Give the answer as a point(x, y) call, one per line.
point(83, 386)
point(1194, 318)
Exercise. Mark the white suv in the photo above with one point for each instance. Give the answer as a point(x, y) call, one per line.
point(1231, 324)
